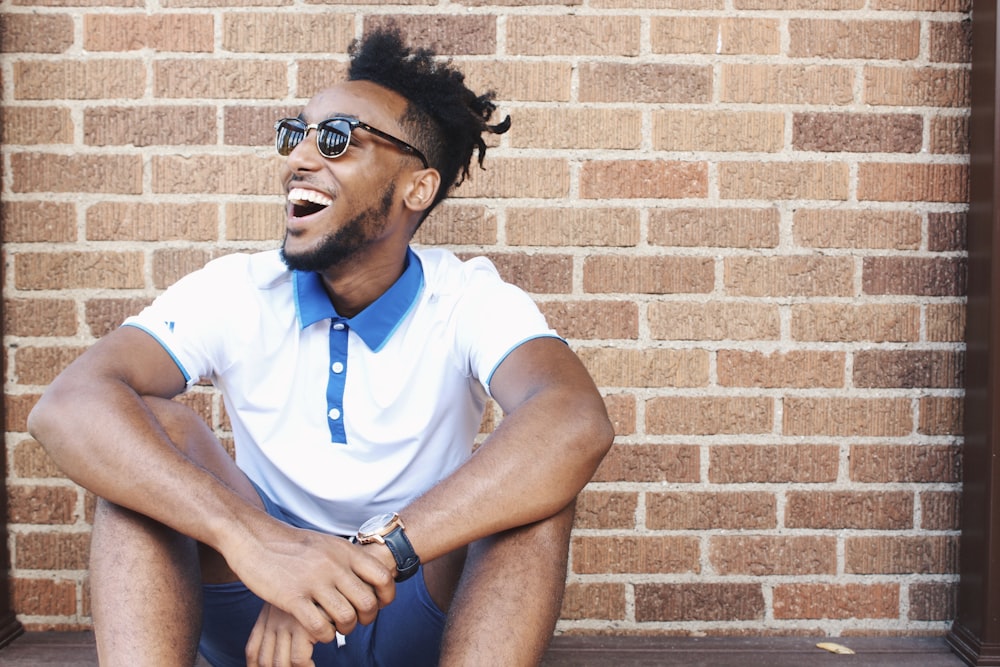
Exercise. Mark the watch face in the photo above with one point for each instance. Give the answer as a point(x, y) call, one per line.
point(375, 523)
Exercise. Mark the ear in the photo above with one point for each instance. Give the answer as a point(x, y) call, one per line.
point(421, 189)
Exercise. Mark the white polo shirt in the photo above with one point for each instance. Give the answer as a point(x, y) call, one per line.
point(337, 419)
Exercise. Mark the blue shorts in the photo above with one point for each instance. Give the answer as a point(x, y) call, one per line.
point(406, 633)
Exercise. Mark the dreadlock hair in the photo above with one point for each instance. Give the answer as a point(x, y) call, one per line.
point(445, 118)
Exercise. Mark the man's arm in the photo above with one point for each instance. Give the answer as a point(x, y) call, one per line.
point(97, 427)
point(554, 434)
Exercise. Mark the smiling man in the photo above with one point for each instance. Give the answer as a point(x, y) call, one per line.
point(356, 526)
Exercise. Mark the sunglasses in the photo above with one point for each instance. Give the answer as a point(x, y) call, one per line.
point(333, 136)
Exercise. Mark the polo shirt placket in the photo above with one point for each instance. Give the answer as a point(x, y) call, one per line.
point(373, 325)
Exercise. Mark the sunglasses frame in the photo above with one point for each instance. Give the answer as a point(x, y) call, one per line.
point(352, 124)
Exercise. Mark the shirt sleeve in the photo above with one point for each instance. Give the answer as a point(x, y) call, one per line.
point(496, 318)
point(198, 318)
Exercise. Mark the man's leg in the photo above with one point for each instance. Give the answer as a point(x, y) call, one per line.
point(509, 597)
point(145, 578)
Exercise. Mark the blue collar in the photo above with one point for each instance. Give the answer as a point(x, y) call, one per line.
point(376, 323)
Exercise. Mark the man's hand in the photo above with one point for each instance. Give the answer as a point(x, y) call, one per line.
point(324, 583)
point(278, 639)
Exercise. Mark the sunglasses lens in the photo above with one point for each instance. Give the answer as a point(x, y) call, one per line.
point(332, 137)
point(288, 134)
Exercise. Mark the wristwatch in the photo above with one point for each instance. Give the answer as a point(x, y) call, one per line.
point(388, 529)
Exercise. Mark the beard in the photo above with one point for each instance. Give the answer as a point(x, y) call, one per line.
point(337, 247)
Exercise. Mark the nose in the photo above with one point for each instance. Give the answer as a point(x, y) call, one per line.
point(305, 156)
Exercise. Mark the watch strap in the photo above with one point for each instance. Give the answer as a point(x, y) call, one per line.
point(407, 561)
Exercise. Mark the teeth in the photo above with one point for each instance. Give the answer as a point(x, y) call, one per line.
point(302, 195)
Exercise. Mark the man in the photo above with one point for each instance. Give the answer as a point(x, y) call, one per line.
point(355, 371)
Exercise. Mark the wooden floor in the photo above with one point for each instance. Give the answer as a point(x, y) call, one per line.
point(71, 649)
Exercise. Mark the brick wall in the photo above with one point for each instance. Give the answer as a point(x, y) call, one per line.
point(746, 215)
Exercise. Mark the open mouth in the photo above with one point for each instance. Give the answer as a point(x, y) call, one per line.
point(306, 202)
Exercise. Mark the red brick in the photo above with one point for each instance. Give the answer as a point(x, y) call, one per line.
point(193, 33)
point(606, 509)
point(913, 182)
point(608, 227)
point(780, 464)
point(593, 319)
point(140, 221)
point(544, 274)
point(451, 223)
point(857, 133)
point(916, 86)
point(767, 83)
point(75, 270)
point(648, 274)
point(149, 126)
point(31, 125)
point(792, 275)
point(904, 554)
point(817, 601)
point(950, 41)
point(634, 554)
point(949, 135)
point(51, 551)
point(203, 79)
point(170, 265)
point(867, 510)
point(909, 368)
point(939, 510)
point(213, 174)
point(543, 178)
point(83, 79)
point(650, 463)
point(905, 463)
point(715, 35)
point(615, 367)
point(540, 35)
point(741, 510)
point(604, 601)
point(35, 33)
point(43, 597)
point(784, 180)
point(40, 365)
point(106, 315)
point(622, 410)
point(849, 228)
point(768, 555)
point(645, 83)
point(796, 368)
point(933, 601)
point(41, 505)
point(643, 179)
point(920, 276)
point(941, 415)
point(695, 130)
point(713, 320)
point(709, 415)
point(946, 232)
point(868, 40)
point(16, 409)
point(38, 222)
point(840, 322)
point(446, 34)
point(31, 461)
point(39, 317)
point(836, 416)
point(699, 602)
point(284, 32)
point(521, 80)
point(48, 172)
point(923, 5)
point(715, 227)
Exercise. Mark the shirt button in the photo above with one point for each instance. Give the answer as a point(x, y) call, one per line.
point(334, 414)
point(337, 367)
point(339, 326)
